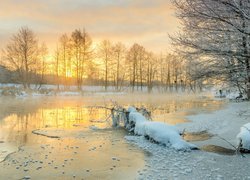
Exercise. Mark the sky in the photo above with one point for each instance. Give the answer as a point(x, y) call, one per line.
point(147, 22)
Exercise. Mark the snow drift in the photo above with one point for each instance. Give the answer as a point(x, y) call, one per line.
point(244, 137)
point(157, 131)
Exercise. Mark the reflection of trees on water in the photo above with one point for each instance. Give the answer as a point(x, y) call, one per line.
point(19, 121)
point(17, 127)
point(68, 117)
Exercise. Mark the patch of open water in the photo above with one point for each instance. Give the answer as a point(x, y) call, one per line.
point(95, 154)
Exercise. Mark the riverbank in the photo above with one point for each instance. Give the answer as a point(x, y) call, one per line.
point(80, 135)
point(165, 163)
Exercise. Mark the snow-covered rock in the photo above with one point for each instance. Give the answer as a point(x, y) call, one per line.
point(158, 131)
point(244, 137)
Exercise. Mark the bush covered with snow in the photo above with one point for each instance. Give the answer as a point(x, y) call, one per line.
point(244, 137)
point(12, 91)
point(157, 131)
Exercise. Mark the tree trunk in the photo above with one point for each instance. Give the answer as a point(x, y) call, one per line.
point(117, 71)
point(106, 73)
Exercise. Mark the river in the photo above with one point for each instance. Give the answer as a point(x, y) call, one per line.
point(68, 137)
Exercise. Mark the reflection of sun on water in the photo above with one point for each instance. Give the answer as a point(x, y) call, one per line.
point(17, 126)
point(73, 114)
point(85, 152)
point(69, 117)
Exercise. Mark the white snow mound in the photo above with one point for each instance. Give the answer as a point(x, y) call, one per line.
point(131, 109)
point(244, 137)
point(159, 132)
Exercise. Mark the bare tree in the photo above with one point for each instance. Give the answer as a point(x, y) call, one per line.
point(57, 67)
point(42, 65)
point(105, 52)
point(64, 48)
point(119, 56)
point(151, 70)
point(21, 54)
point(86, 55)
point(134, 58)
point(82, 51)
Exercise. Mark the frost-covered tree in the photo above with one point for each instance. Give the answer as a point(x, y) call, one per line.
point(215, 38)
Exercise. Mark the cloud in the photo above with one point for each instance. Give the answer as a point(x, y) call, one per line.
point(146, 21)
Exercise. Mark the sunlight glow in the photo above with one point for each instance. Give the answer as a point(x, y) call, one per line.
point(68, 73)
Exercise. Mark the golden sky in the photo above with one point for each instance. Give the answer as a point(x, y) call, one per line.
point(147, 22)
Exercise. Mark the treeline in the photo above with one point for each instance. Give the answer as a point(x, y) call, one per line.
point(78, 61)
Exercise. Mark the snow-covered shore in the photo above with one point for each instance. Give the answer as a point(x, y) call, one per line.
point(225, 123)
point(166, 163)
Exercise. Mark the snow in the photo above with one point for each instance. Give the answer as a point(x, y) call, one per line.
point(244, 136)
point(131, 109)
point(225, 92)
point(164, 163)
point(160, 132)
point(17, 90)
point(224, 123)
point(52, 90)
point(160, 162)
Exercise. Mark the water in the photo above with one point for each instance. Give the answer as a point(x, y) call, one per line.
point(219, 150)
point(197, 136)
point(81, 151)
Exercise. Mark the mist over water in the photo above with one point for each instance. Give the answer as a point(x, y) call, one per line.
point(21, 116)
point(83, 133)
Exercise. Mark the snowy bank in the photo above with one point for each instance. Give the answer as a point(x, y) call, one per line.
point(157, 131)
point(223, 123)
point(165, 163)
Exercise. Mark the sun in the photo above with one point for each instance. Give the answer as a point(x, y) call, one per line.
point(68, 73)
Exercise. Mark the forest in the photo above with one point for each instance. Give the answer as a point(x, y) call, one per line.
point(211, 48)
point(79, 61)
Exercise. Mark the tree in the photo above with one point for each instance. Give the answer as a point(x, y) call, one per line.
point(42, 64)
point(105, 52)
point(141, 58)
point(216, 38)
point(21, 54)
point(134, 58)
point(65, 59)
point(151, 70)
point(81, 46)
point(119, 51)
point(57, 67)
